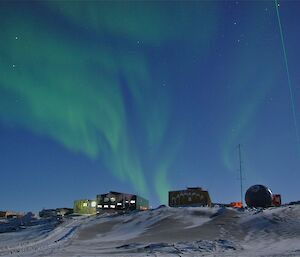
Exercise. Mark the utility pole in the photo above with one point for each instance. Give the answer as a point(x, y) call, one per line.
point(241, 174)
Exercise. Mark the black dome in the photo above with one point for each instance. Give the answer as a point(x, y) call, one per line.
point(258, 196)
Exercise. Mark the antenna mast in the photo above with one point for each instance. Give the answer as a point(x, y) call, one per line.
point(241, 175)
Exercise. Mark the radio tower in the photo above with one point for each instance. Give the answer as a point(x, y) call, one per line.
point(241, 174)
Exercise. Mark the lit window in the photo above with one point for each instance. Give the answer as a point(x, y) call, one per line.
point(132, 201)
point(119, 204)
point(126, 201)
point(105, 206)
point(113, 206)
point(93, 204)
point(84, 204)
point(99, 205)
point(112, 199)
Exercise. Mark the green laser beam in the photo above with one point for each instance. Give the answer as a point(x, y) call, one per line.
point(291, 93)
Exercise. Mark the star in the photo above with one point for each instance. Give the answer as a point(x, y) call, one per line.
point(16, 38)
point(13, 65)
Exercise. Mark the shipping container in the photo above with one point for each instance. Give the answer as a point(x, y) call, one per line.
point(236, 205)
point(276, 200)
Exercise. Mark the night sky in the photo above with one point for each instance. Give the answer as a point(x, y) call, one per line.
point(145, 97)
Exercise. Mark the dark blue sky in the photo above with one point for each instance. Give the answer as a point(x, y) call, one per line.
point(144, 98)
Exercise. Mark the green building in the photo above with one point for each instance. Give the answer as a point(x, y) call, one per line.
point(85, 206)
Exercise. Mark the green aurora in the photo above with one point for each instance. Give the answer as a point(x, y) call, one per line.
point(57, 83)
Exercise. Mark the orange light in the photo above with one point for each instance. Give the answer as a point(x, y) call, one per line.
point(236, 205)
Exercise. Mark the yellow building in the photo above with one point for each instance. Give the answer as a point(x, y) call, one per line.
point(85, 206)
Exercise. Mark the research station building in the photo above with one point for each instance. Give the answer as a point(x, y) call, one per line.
point(85, 206)
point(121, 202)
point(190, 197)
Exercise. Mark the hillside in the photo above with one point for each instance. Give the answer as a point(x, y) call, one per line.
point(164, 232)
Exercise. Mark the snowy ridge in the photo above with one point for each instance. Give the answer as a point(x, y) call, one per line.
point(166, 232)
point(42, 238)
point(128, 226)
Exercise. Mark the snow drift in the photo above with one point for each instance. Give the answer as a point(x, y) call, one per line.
point(164, 232)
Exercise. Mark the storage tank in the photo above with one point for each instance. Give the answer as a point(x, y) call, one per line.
point(258, 196)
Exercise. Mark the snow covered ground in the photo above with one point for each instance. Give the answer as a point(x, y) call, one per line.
point(163, 232)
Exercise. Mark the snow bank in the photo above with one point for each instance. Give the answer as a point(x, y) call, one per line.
point(164, 232)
